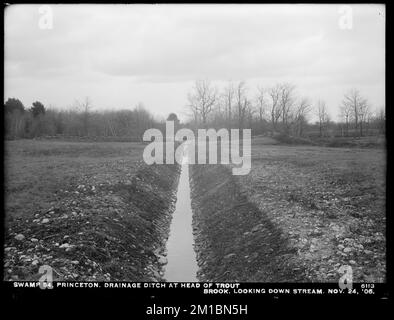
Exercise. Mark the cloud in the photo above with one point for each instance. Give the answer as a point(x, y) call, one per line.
point(92, 46)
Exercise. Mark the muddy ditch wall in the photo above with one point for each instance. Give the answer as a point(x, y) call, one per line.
point(235, 241)
point(151, 197)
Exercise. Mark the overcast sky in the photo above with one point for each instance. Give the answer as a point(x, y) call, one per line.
point(120, 55)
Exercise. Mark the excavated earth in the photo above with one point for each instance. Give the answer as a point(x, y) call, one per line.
point(298, 216)
point(235, 241)
point(100, 230)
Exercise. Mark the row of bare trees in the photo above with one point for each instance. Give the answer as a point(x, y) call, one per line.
point(77, 121)
point(274, 109)
point(355, 109)
point(277, 107)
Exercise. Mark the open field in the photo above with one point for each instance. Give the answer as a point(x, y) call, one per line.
point(38, 171)
point(377, 141)
point(95, 211)
point(92, 211)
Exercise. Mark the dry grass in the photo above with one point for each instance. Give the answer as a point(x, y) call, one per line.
point(37, 171)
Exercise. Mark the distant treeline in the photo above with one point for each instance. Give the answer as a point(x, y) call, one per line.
point(273, 110)
point(38, 121)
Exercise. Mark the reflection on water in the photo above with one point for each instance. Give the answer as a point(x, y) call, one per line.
point(182, 264)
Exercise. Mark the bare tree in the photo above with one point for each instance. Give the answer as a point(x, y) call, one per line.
point(286, 102)
point(228, 97)
point(323, 116)
point(202, 99)
point(275, 110)
point(242, 103)
point(84, 108)
point(356, 103)
point(250, 112)
point(261, 105)
point(368, 119)
point(381, 120)
point(346, 111)
point(300, 115)
point(363, 113)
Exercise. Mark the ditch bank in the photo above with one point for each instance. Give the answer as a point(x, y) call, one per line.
point(234, 241)
point(113, 229)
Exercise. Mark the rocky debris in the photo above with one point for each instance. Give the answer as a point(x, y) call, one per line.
point(162, 260)
point(347, 250)
point(19, 237)
point(65, 246)
point(103, 236)
point(315, 233)
point(224, 220)
point(257, 228)
point(331, 217)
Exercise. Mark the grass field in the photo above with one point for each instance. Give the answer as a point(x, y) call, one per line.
point(38, 172)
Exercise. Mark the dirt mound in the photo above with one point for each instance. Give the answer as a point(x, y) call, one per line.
point(98, 232)
point(234, 240)
point(291, 140)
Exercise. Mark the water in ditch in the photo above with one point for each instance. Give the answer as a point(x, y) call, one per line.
point(181, 257)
